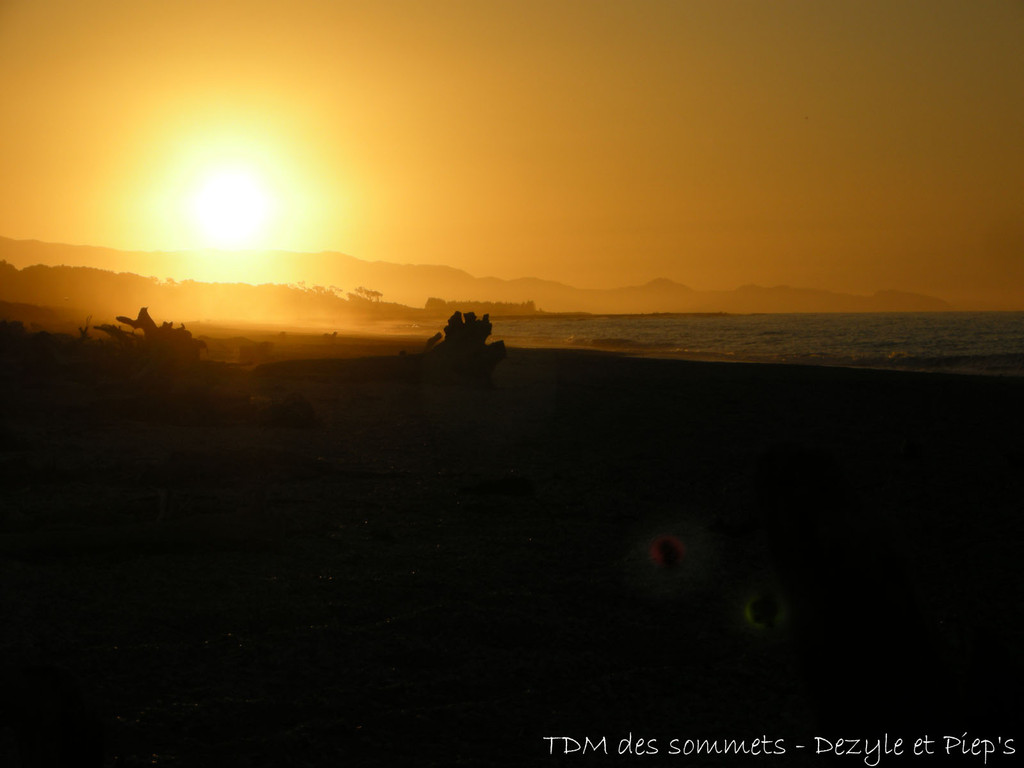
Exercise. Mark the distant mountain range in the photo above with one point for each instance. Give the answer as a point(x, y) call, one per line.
point(412, 285)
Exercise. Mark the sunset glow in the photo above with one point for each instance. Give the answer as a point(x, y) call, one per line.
point(843, 146)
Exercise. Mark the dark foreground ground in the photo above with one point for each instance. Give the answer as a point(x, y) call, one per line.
point(442, 576)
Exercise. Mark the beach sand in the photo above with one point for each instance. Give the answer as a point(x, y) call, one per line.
point(440, 575)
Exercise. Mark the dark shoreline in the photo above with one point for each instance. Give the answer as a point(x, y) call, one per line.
point(436, 575)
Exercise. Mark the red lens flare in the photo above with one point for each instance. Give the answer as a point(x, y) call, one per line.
point(667, 550)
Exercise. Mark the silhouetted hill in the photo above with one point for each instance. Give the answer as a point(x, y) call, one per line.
point(413, 284)
point(55, 295)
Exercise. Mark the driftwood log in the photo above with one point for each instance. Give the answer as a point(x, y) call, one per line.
point(459, 355)
point(164, 346)
point(463, 354)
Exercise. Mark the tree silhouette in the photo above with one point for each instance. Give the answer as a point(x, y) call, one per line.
point(368, 294)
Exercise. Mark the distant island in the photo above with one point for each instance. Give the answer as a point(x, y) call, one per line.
point(74, 279)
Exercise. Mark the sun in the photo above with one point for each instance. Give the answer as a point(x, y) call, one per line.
point(232, 208)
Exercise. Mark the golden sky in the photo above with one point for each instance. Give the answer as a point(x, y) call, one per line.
point(851, 145)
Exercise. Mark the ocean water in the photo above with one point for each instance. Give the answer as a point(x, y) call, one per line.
point(990, 343)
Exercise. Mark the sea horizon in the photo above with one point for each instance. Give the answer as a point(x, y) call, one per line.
point(987, 343)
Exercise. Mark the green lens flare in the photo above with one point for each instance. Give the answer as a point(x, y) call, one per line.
point(763, 611)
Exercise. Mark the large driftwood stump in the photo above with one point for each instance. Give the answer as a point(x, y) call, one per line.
point(463, 355)
point(163, 346)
